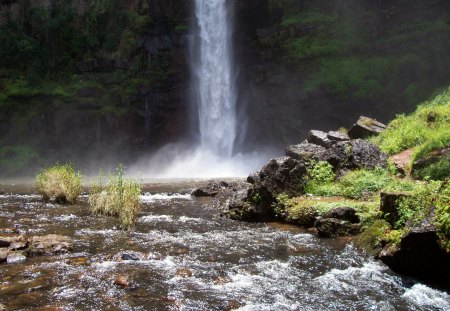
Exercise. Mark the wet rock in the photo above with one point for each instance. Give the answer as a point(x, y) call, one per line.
point(2, 307)
point(51, 244)
point(184, 273)
point(355, 154)
point(231, 305)
point(18, 246)
point(365, 127)
point(132, 257)
point(337, 136)
point(306, 152)
point(210, 190)
point(419, 255)
point(220, 280)
point(318, 138)
point(3, 254)
point(9, 231)
point(78, 261)
point(253, 178)
point(389, 204)
point(283, 174)
point(330, 227)
point(342, 213)
point(121, 281)
point(4, 242)
point(16, 258)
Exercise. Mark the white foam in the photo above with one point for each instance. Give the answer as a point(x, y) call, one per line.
point(155, 218)
point(147, 197)
point(427, 297)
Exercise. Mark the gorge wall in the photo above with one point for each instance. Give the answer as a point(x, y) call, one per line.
point(93, 81)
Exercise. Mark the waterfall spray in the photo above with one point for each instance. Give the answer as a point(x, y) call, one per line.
point(216, 89)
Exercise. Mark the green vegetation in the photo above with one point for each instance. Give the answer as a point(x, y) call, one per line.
point(16, 158)
point(61, 182)
point(119, 197)
point(371, 238)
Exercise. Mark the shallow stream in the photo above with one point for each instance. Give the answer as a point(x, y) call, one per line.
point(191, 259)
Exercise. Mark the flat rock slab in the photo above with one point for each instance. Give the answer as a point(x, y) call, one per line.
point(51, 244)
point(365, 127)
point(16, 258)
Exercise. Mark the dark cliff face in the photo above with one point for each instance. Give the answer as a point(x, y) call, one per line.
point(87, 80)
point(320, 64)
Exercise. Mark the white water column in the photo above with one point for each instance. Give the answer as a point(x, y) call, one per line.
point(216, 89)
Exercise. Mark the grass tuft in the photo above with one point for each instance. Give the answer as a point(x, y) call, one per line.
point(119, 197)
point(60, 182)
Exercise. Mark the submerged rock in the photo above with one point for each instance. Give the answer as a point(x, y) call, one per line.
point(365, 127)
point(16, 258)
point(121, 281)
point(419, 255)
point(51, 244)
point(3, 254)
point(184, 273)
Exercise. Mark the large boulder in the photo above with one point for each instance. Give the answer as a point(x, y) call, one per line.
point(282, 175)
point(330, 227)
point(318, 138)
point(245, 203)
point(211, 189)
point(355, 154)
point(418, 255)
point(342, 213)
point(365, 127)
point(306, 151)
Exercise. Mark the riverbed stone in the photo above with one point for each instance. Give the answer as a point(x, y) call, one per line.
point(121, 280)
point(16, 258)
point(51, 244)
point(365, 127)
point(184, 273)
point(4, 242)
point(330, 227)
point(3, 254)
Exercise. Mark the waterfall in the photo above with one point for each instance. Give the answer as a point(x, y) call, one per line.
point(216, 89)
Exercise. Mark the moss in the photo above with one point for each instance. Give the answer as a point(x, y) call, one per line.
point(370, 239)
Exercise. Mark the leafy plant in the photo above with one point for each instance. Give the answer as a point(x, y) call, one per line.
point(119, 197)
point(61, 182)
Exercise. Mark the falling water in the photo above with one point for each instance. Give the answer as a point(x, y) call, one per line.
point(216, 91)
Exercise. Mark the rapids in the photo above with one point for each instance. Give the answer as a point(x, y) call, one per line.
point(192, 259)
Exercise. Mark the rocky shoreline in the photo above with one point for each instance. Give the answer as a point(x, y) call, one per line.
point(416, 253)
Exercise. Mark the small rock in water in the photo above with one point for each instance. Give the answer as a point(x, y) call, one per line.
point(3, 254)
point(18, 246)
point(184, 273)
point(2, 307)
point(231, 305)
point(16, 258)
point(132, 257)
point(9, 230)
point(220, 280)
point(4, 243)
point(122, 281)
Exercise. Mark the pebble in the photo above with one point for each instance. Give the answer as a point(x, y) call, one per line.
point(121, 280)
point(16, 258)
point(185, 273)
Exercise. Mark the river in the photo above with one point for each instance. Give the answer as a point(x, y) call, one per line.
point(189, 258)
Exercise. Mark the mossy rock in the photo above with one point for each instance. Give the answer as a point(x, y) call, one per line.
point(370, 239)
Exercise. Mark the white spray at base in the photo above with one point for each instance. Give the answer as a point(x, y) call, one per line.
point(216, 106)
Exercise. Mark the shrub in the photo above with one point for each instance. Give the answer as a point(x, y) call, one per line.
point(61, 182)
point(442, 214)
point(120, 197)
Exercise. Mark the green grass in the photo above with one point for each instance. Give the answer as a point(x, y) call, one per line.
point(119, 198)
point(60, 182)
point(425, 129)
